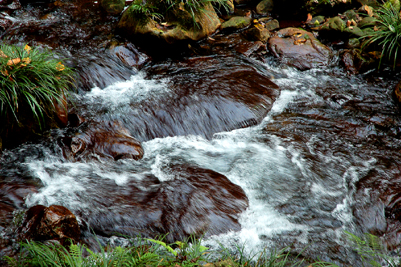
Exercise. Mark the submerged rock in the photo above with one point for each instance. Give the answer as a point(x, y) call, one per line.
point(300, 49)
point(105, 140)
point(194, 201)
point(203, 96)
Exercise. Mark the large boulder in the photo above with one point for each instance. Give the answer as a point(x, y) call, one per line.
point(178, 27)
point(203, 96)
point(194, 201)
point(300, 49)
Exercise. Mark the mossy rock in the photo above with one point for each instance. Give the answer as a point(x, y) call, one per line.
point(372, 3)
point(354, 31)
point(181, 26)
point(367, 22)
point(351, 15)
point(236, 23)
point(272, 25)
point(335, 24)
point(113, 7)
point(265, 7)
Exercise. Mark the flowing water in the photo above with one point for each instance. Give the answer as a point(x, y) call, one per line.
point(317, 164)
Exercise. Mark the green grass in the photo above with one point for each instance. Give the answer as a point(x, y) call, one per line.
point(387, 33)
point(31, 79)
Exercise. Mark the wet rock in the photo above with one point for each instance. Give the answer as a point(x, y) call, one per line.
point(300, 49)
point(194, 201)
point(113, 7)
point(272, 24)
point(129, 55)
point(105, 140)
point(236, 23)
point(180, 28)
point(46, 223)
point(265, 7)
point(257, 33)
point(205, 95)
point(356, 62)
point(397, 92)
point(10, 4)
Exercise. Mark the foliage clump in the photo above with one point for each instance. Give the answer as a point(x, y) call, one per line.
point(386, 33)
point(31, 80)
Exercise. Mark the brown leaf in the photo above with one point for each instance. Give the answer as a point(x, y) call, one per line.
point(309, 18)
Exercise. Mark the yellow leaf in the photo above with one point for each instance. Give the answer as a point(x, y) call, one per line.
point(5, 72)
point(27, 48)
point(2, 54)
point(60, 66)
point(25, 61)
point(13, 61)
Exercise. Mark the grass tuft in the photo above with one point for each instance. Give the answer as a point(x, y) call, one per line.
point(31, 79)
point(387, 33)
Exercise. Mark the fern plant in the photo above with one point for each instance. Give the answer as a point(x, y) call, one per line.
point(31, 79)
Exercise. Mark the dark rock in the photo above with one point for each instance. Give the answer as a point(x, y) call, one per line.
point(257, 33)
point(195, 202)
point(300, 49)
point(355, 62)
point(206, 95)
point(10, 4)
point(106, 140)
point(129, 55)
point(265, 7)
point(113, 7)
point(45, 223)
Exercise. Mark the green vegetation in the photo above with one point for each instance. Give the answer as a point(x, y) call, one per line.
point(387, 33)
point(32, 81)
point(190, 253)
point(169, 9)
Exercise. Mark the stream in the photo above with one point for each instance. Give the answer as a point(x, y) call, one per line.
point(322, 161)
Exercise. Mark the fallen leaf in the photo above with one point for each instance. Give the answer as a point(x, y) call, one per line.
point(27, 48)
point(13, 61)
point(60, 66)
point(309, 18)
point(2, 54)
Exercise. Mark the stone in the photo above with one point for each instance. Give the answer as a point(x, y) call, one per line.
point(180, 29)
point(265, 7)
point(195, 201)
point(367, 22)
point(108, 140)
point(46, 223)
point(272, 25)
point(129, 55)
point(257, 33)
point(300, 49)
point(113, 7)
point(236, 23)
point(355, 62)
